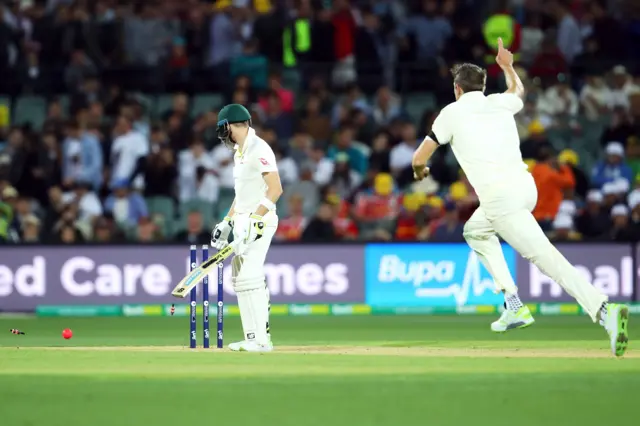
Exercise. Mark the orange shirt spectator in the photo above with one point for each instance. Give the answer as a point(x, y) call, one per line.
point(344, 225)
point(381, 203)
point(407, 225)
point(551, 180)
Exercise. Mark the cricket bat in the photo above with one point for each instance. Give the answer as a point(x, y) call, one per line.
point(194, 277)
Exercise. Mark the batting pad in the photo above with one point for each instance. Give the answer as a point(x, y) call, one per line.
point(254, 314)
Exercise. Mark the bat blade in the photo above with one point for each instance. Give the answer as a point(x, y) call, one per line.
point(194, 277)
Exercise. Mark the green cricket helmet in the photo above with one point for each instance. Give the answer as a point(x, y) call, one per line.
point(232, 113)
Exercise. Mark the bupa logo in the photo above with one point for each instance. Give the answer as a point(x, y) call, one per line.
point(427, 275)
point(392, 268)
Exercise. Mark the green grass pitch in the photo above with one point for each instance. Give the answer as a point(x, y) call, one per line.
point(338, 371)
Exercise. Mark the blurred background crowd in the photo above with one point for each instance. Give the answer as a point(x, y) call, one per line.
point(108, 111)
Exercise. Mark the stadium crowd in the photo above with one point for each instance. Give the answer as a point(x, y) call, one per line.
point(107, 124)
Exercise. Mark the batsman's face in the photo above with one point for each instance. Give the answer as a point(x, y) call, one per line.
point(223, 130)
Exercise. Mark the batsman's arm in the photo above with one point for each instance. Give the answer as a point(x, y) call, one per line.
point(232, 209)
point(274, 191)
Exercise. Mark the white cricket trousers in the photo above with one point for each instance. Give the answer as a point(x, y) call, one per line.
point(247, 276)
point(506, 211)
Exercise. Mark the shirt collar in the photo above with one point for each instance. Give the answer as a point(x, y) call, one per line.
point(250, 135)
point(471, 96)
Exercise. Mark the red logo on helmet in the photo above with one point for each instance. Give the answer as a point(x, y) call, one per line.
point(264, 162)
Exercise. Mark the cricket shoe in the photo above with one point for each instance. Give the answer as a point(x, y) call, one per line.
point(617, 325)
point(250, 346)
point(510, 320)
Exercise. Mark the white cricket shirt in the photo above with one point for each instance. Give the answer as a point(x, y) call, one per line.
point(484, 138)
point(257, 158)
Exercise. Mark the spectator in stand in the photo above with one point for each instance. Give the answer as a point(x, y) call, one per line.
point(353, 99)
point(562, 229)
point(633, 156)
point(594, 221)
point(126, 206)
point(466, 43)
point(379, 159)
point(401, 156)
point(344, 34)
point(314, 122)
point(429, 30)
point(343, 178)
point(622, 229)
point(321, 228)
point(344, 143)
point(633, 200)
point(105, 231)
point(287, 168)
point(195, 233)
point(596, 97)
point(621, 128)
point(552, 180)
point(178, 65)
point(278, 119)
point(196, 179)
point(570, 158)
point(146, 34)
point(321, 166)
point(613, 167)
point(532, 36)
point(251, 64)
point(30, 229)
point(610, 193)
point(559, 101)
point(85, 199)
point(377, 210)
point(128, 152)
point(305, 185)
point(623, 87)
point(290, 228)
point(569, 38)
point(449, 228)
point(407, 225)
point(82, 157)
point(160, 173)
point(549, 63)
point(343, 223)
point(285, 96)
point(148, 232)
point(387, 106)
point(80, 67)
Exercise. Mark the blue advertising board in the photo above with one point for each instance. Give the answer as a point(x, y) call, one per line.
point(429, 275)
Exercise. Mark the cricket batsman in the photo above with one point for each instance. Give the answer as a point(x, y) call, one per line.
point(253, 219)
point(483, 136)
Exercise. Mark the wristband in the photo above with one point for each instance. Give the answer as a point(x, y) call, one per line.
point(270, 205)
point(228, 219)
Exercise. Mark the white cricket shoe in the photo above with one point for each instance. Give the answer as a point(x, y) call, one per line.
point(250, 346)
point(510, 320)
point(617, 325)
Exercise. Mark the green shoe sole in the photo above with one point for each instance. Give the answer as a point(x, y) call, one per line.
point(622, 339)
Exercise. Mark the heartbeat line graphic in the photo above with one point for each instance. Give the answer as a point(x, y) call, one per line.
point(470, 281)
point(392, 268)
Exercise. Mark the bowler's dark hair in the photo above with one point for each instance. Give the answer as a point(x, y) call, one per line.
point(469, 77)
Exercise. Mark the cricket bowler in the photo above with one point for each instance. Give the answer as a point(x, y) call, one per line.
point(483, 137)
point(253, 219)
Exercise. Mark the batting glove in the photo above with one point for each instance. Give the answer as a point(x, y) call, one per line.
point(220, 234)
point(255, 229)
